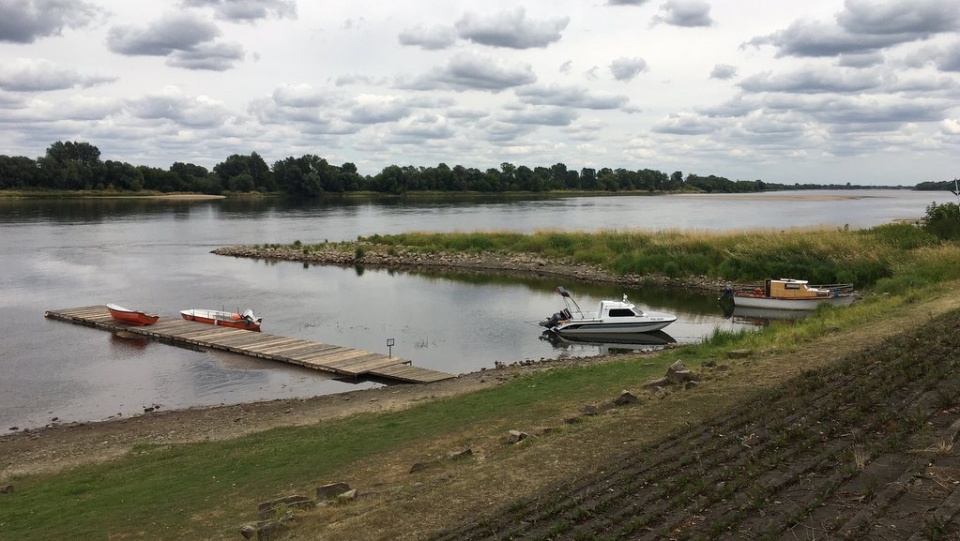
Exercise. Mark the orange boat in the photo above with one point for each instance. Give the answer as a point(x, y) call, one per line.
point(131, 317)
point(246, 320)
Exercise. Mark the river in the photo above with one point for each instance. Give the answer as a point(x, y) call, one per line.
point(155, 255)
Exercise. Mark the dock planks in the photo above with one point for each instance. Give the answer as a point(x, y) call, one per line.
point(339, 360)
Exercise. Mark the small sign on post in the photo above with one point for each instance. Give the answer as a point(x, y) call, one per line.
point(390, 343)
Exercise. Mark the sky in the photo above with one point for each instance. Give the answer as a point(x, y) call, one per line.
point(784, 91)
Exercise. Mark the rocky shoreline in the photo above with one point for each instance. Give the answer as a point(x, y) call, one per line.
point(362, 254)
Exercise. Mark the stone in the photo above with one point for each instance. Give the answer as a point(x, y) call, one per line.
point(626, 397)
point(463, 453)
point(420, 466)
point(268, 510)
point(332, 490)
point(516, 436)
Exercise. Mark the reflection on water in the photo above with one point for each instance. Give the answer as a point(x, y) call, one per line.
point(610, 343)
point(759, 317)
point(126, 341)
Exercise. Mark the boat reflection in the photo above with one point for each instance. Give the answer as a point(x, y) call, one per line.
point(128, 341)
point(762, 317)
point(641, 341)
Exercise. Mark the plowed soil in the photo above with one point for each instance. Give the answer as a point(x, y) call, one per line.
point(864, 448)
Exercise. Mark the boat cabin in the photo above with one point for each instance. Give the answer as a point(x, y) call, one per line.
point(788, 288)
point(616, 309)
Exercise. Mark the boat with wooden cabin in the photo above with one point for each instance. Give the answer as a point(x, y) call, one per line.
point(789, 294)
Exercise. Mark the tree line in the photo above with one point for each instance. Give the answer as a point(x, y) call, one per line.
point(75, 165)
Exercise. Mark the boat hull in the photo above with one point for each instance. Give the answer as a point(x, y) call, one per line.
point(222, 319)
point(131, 317)
point(746, 301)
point(588, 328)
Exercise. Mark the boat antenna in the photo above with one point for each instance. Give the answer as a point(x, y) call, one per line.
point(566, 295)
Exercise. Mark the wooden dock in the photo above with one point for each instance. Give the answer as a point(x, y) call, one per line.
point(342, 361)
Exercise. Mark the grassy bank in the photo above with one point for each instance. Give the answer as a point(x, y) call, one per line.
point(886, 258)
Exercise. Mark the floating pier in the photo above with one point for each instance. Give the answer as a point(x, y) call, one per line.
point(339, 360)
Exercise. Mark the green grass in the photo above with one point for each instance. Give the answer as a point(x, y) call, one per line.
point(157, 489)
point(863, 257)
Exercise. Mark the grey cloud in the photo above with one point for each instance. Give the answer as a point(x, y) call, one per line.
point(865, 27)
point(569, 97)
point(247, 10)
point(543, 116)
point(869, 111)
point(511, 29)
point(686, 125)
point(913, 19)
point(377, 112)
point(24, 21)
point(184, 39)
point(428, 126)
point(474, 72)
point(812, 81)
point(23, 75)
point(435, 38)
point(723, 72)
point(686, 13)
point(949, 60)
point(860, 60)
point(208, 56)
point(626, 2)
point(163, 37)
point(172, 105)
point(356, 78)
point(625, 69)
point(818, 39)
point(300, 96)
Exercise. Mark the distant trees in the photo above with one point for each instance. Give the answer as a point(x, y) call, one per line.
point(76, 165)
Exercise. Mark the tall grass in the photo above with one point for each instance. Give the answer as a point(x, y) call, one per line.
point(826, 255)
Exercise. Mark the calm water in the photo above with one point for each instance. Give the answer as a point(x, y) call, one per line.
point(155, 256)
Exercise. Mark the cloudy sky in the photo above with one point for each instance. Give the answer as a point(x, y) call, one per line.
point(821, 91)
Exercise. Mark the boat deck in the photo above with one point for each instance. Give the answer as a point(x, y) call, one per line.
point(339, 360)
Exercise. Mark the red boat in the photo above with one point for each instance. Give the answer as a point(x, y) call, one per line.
point(246, 320)
point(131, 317)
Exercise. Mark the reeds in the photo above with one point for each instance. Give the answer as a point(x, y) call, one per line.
point(820, 255)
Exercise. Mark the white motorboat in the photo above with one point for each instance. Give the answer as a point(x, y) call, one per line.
point(612, 317)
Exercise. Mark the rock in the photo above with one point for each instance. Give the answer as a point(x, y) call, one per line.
point(6, 489)
point(739, 354)
point(332, 490)
point(516, 436)
point(420, 466)
point(463, 453)
point(348, 495)
point(269, 510)
point(678, 373)
point(626, 397)
point(590, 409)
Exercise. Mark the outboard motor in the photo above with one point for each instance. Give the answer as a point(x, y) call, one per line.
point(555, 319)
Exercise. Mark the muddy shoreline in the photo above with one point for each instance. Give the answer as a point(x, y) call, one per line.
point(346, 255)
